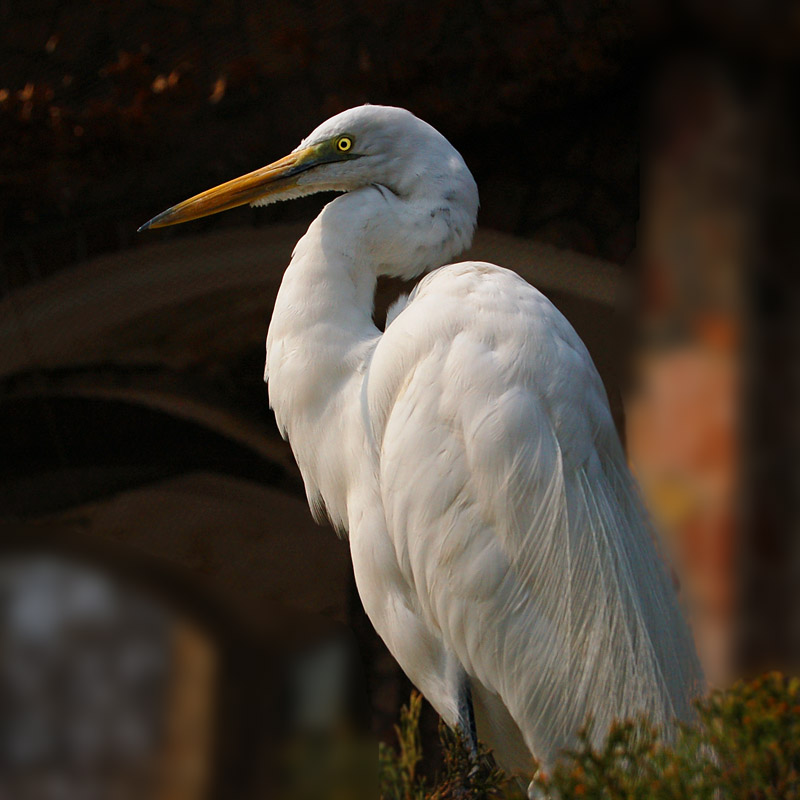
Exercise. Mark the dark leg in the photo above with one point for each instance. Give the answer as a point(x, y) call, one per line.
point(464, 789)
point(466, 719)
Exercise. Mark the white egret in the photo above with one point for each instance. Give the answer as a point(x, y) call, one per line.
point(499, 545)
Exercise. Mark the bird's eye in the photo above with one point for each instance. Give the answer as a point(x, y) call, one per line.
point(344, 143)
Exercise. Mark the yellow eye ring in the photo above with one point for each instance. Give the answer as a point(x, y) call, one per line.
point(344, 143)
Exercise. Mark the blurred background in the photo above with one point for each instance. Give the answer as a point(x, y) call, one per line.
point(172, 623)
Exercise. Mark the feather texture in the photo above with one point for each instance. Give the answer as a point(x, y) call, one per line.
point(507, 497)
point(469, 453)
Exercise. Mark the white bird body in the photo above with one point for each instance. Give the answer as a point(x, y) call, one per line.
point(469, 454)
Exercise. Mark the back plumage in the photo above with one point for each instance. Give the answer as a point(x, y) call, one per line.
point(514, 516)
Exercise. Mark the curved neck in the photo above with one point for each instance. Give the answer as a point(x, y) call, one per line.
point(319, 341)
point(322, 335)
point(320, 325)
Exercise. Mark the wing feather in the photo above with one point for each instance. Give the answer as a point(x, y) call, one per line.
point(513, 513)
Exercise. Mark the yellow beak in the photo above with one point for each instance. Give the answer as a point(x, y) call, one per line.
point(275, 177)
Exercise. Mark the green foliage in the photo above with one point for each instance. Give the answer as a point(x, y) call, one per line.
point(462, 777)
point(459, 778)
point(755, 731)
point(397, 770)
point(633, 764)
point(745, 745)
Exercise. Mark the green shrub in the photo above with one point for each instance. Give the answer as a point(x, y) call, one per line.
point(457, 777)
point(745, 745)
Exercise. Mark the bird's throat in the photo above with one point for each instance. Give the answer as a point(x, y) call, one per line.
point(319, 345)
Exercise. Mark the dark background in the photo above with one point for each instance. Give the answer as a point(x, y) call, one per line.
point(111, 110)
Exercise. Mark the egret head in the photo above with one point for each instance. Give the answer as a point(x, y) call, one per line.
point(364, 146)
